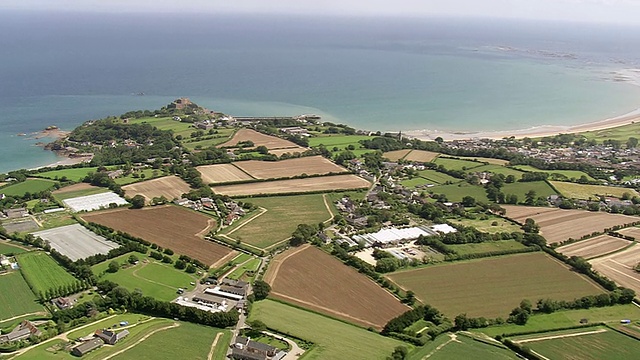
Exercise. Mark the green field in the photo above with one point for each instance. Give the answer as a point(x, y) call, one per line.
point(417, 182)
point(333, 339)
point(43, 273)
point(108, 323)
point(566, 318)
point(487, 225)
point(30, 185)
point(73, 174)
point(251, 265)
point(586, 192)
point(449, 346)
point(167, 123)
point(491, 161)
point(16, 297)
point(497, 169)
point(620, 133)
point(492, 287)
point(148, 173)
point(455, 192)
point(72, 194)
point(456, 164)
point(7, 248)
point(473, 248)
point(608, 344)
point(437, 177)
point(557, 174)
point(153, 278)
point(283, 215)
point(520, 189)
point(340, 141)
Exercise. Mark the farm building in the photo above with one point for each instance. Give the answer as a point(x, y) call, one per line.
point(62, 303)
point(394, 236)
point(227, 292)
point(15, 213)
point(111, 337)
point(21, 332)
point(87, 347)
point(247, 349)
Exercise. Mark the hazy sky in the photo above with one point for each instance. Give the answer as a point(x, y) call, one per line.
point(621, 11)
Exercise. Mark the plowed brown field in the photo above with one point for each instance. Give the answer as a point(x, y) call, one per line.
point(312, 165)
point(168, 226)
point(396, 154)
point(222, 173)
point(631, 231)
point(324, 183)
point(596, 246)
point(169, 186)
point(259, 139)
point(421, 156)
point(619, 267)
point(557, 225)
point(308, 277)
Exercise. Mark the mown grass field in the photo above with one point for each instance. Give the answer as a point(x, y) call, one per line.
point(487, 225)
point(74, 174)
point(340, 141)
point(557, 174)
point(586, 192)
point(42, 272)
point(153, 278)
point(620, 133)
point(333, 339)
point(167, 123)
point(498, 169)
point(251, 265)
point(6, 248)
point(30, 185)
point(462, 347)
point(492, 287)
point(456, 164)
point(283, 215)
point(438, 177)
point(16, 297)
point(607, 344)
point(455, 192)
point(520, 189)
point(502, 245)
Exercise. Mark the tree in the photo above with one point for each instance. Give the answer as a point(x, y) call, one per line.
point(191, 269)
point(632, 142)
point(410, 299)
point(137, 202)
point(468, 201)
point(180, 264)
point(386, 265)
point(462, 322)
point(132, 259)
point(262, 150)
point(257, 327)
point(530, 226)
point(302, 234)
point(261, 289)
point(113, 267)
point(399, 353)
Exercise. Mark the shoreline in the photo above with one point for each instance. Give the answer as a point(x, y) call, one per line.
point(537, 131)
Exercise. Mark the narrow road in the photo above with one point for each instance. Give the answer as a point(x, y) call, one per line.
point(213, 345)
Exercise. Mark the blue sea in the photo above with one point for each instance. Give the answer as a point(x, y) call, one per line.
point(385, 74)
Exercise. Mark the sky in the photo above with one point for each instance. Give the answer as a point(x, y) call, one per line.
point(604, 11)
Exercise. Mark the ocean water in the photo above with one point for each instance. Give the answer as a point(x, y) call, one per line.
point(372, 73)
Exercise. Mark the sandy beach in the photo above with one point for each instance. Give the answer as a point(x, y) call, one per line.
point(538, 131)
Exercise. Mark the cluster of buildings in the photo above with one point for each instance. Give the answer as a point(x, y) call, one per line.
point(246, 349)
point(226, 294)
point(99, 338)
point(14, 213)
point(394, 236)
point(7, 263)
point(25, 330)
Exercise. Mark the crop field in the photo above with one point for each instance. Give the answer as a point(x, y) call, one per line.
point(170, 187)
point(585, 344)
point(456, 164)
point(587, 192)
point(619, 267)
point(74, 174)
point(324, 183)
point(478, 248)
point(258, 139)
point(631, 231)
point(42, 272)
point(492, 287)
point(487, 225)
point(308, 277)
point(289, 150)
point(299, 209)
point(76, 242)
point(449, 346)
point(490, 161)
point(312, 165)
point(520, 189)
point(77, 190)
point(341, 141)
point(333, 339)
point(16, 297)
point(396, 154)
point(168, 226)
point(455, 192)
point(30, 185)
point(599, 245)
point(421, 156)
point(222, 173)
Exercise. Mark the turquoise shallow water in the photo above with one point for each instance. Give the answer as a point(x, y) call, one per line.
point(372, 74)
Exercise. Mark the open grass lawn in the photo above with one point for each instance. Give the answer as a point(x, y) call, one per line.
point(438, 177)
point(223, 136)
point(488, 246)
point(333, 339)
point(153, 278)
point(492, 287)
point(251, 265)
point(16, 297)
point(131, 318)
point(340, 141)
point(7, 248)
point(42, 272)
point(417, 182)
point(187, 341)
point(283, 215)
point(167, 123)
point(586, 192)
point(456, 164)
point(556, 174)
point(487, 225)
point(607, 344)
point(498, 169)
point(520, 189)
point(455, 192)
point(148, 173)
point(74, 174)
point(463, 347)
point(31, 185)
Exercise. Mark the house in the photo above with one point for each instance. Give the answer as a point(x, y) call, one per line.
point(87, 347)
point(21, 332)
point(247, 349)
point(62, 303)
point(115, 174)
point(111, 337)
point(15, 213)
point(242, 354)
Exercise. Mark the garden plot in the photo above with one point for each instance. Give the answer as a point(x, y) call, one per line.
point(76, 242)
point(94, 202)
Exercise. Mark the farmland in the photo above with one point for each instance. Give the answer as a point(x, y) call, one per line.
point(557, 225)
point(181, 234)
point(73, 174)
point(94, 202)
point(299, 209)
point(222, 173)
point(77, 190)
point(313, 165)
point(16, 297)
point(456, 164)
point(289, 150)
point(592, 343)
point(43, 273)
point(587, 192)
point(455, 192)
point(557, 174)
point(325, 183)
point(599, 245)
point(396, 154)
point(76, 242)
point(631, 231)
point(519, 189)
point(487, 224)
point(258, 139)
point(340, 141)
point(170, 187)
point(456, 288)
point(619, 267)
point(8, 248)
point(460, 346)
point(421, 156)
point(330, 287)
point(491, 161)
point(333, 339)
point(488, 246)
point(498, 169)
point(30, 185)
